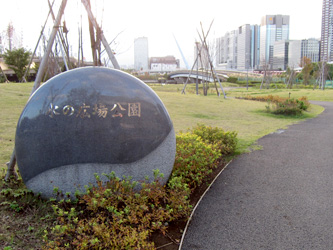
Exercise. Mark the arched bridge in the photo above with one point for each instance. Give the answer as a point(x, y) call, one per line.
point(181, 76)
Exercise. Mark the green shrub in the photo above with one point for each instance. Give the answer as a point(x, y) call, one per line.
point(288, 107)
point(232, 79)
point(226, 142)
point(282, 105)
point(195, 159)
point(113, 215)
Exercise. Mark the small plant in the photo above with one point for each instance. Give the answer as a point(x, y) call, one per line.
point(16, 197)
point(113, 215)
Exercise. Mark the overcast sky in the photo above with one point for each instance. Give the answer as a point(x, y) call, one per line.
point(159, 20)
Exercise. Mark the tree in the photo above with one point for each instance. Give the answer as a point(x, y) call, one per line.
point(291, 77)
point(267, 78)
point(307, 69)
point(17, 60)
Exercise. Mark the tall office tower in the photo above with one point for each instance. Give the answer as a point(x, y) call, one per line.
point(326, 46)
point(244, 47)
point(141, 58)
point(255, 46)
point(273, 28)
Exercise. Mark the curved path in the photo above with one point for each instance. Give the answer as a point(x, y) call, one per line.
point(280, 197)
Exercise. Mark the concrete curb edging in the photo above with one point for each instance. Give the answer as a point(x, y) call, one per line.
point(193, 211)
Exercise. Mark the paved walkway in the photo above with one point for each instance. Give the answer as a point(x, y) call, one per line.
point(280, 197)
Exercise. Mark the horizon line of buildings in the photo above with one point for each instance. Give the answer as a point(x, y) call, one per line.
point(256, 47)
point(249, 47)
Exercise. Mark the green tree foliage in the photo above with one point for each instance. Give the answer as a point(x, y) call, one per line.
point(307, 69)
point(17, 60)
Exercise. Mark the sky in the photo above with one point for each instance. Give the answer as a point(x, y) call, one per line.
point(159, 20)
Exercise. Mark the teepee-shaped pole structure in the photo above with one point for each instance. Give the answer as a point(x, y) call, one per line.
point(204, 48)
point(43, 65)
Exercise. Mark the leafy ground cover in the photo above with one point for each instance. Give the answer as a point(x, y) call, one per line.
point(23, 224)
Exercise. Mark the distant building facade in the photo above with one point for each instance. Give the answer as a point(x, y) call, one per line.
point(244, 47)
point(280, 52)
point(273, 28)
point(141, 56)
point(311, 49)
point(326, 46)
point(295, 53)
point(289, 53)
point(163, 64)
point(267, 45)
point(255, 46)
point(252, 46)
point(239, 49)
point(226, 50)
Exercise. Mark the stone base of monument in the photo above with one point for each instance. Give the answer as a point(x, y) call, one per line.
point(71, 177)
point(90, 121)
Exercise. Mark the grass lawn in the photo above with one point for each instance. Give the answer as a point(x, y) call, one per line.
point(248, 118)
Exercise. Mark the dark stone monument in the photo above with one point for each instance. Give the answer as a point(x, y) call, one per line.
point(92, 120)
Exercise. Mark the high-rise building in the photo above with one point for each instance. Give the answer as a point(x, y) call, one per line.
point(244, 47)
point(226, 49)
point(239, 49)
point(255, 46)
point(311, 49)
point(280, 58)
point(326, 46)
point(141, 57)
point(273, 28)
point(295, 53)
point(289, 53)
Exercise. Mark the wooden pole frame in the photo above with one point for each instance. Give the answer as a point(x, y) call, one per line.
point(43, 66)
point(4, 74)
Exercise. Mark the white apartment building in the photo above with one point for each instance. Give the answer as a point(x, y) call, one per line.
point(141, 57)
